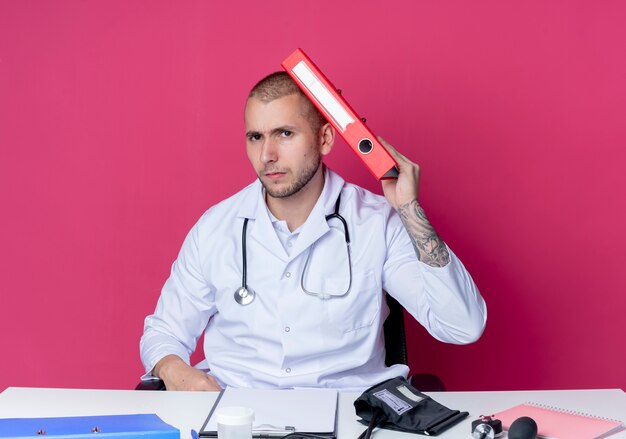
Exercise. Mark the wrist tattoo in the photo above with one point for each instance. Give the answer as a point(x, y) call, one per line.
point(429, 247)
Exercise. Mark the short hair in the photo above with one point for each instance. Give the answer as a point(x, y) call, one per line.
point(280, 84)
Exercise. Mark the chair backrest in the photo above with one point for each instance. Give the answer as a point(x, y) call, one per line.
point(396, 351)
point(395, 336)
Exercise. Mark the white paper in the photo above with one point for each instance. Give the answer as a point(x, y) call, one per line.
point(306, 410)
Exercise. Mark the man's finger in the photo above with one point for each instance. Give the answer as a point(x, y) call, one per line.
point(393, 151)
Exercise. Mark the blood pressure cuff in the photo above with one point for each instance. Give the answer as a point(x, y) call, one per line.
point(397, 405)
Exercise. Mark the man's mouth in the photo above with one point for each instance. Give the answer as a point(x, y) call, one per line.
point(274, 175)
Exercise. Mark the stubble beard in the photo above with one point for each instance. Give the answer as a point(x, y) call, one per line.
point(301, 181)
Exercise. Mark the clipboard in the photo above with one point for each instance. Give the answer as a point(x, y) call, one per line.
point(279, 412)
point(338, 112)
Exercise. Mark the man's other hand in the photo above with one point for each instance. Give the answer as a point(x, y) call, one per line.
point(178, 375)
point(405, 188)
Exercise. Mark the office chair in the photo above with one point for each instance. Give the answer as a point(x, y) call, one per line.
point(395, 352)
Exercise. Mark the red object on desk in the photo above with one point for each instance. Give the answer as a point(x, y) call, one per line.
point(553, 422)
point(339, 113)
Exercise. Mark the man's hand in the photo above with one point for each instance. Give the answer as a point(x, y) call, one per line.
point(178, 375)
point(404, 189)
point(402, 195)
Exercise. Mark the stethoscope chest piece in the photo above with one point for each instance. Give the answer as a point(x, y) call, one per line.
point(244, 296)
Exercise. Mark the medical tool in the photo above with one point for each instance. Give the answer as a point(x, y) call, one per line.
point(244, 295)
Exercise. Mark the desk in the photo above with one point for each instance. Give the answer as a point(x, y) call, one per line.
point(187, 410)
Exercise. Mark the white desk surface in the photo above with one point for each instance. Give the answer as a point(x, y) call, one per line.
point(188, 410)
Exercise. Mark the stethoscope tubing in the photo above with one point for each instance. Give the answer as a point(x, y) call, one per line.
point(244, 275)
point(245, 295)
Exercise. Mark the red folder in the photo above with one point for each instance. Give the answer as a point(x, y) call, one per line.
point(339, 113)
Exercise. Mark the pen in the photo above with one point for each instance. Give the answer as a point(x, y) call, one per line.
point(271, 431)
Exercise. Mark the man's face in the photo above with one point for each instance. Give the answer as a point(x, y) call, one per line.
point(281, 144)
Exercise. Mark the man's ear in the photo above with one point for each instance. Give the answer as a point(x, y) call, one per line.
point(327, 138)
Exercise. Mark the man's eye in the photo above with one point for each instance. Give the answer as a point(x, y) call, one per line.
point(287, 133)
point(254, 137)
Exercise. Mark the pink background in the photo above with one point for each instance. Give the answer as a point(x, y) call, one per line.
point(121, 122)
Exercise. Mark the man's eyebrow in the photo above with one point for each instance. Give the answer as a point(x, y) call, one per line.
point(274, 131)
point(279, 130)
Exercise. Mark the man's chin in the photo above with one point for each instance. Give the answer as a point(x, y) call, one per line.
point(275, 191)
point(286, 188)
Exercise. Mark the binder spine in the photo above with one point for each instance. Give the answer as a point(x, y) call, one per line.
point(340, 114)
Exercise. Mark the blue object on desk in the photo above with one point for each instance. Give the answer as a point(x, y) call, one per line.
point(142, 426)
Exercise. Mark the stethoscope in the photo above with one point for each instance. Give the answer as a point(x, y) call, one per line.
point(245, 295)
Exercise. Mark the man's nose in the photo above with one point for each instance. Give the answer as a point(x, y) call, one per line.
point(269, 152)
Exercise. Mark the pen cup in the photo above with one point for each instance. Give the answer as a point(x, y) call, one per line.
point(234, 422)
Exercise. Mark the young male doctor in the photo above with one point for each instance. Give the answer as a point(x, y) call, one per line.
point(282, 299)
